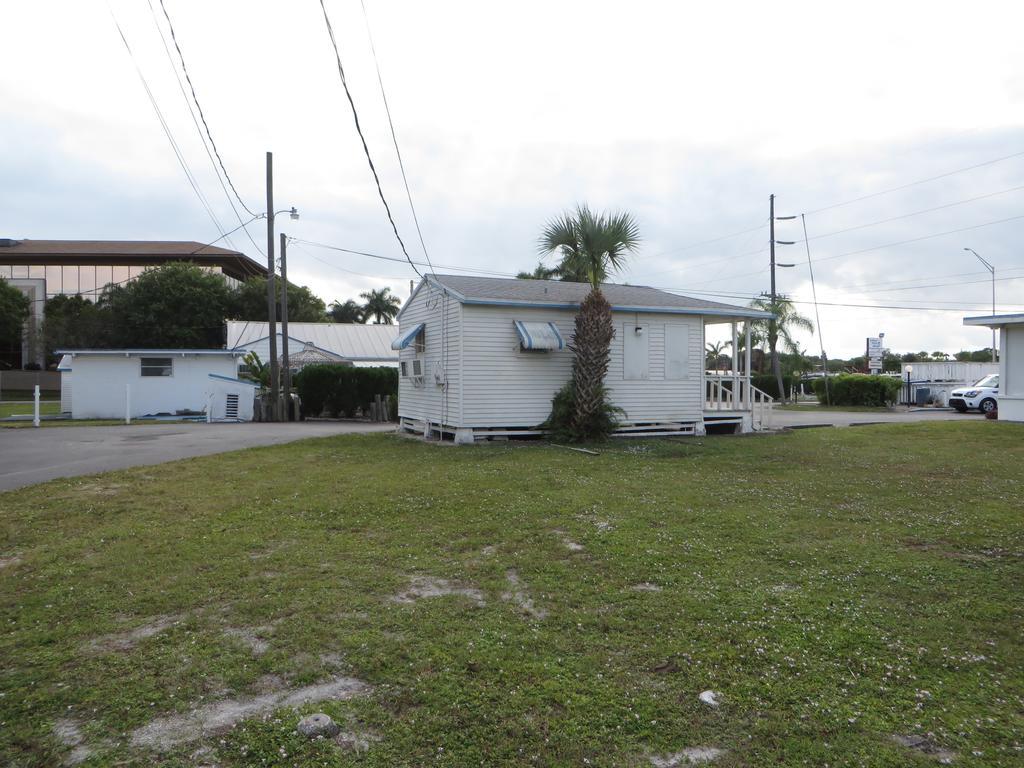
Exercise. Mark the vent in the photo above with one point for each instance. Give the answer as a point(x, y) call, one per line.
point(231, 407)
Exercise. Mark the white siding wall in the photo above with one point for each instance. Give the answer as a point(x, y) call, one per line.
point(504, 386)
point(100, 385)
point(1011, 376)
point(429, 400)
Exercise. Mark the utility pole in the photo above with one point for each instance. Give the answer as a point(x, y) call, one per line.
point(773, 330)
point(991, 269)
point(287, 369)
point(275, 394)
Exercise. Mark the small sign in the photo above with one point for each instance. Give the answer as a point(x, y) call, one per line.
point(875, 354)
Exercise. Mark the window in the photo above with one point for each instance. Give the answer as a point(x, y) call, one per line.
point(419, 345)
point(405, 368)
point(156, 366)
point(417, 367)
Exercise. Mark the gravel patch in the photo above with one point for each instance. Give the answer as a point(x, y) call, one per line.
point(124, 641)
point(925, 745)
point(251, 637)
point(70, 736)
point(517, 594)
point(688, 756)
point(421, 587)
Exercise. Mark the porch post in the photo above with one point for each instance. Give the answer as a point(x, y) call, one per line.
point(735, 368)
point(746, 364)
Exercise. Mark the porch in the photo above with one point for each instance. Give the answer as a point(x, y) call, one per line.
point(730, 399)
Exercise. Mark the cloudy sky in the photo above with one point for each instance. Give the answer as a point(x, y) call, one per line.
point(688, 115)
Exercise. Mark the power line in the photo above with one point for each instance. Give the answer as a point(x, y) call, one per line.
point(359, 130)
point(707, 242)
point(209, 135)
point(167, 130)
point(402, 261)
point(199, 130)
point(394, 136)
point(915, 183)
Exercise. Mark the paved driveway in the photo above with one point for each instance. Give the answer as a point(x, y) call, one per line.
point(30, 456)
point(812, 416)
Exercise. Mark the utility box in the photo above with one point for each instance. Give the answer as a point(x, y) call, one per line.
point(922, 395)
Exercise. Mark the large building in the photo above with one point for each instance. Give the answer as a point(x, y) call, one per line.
point(46, 268)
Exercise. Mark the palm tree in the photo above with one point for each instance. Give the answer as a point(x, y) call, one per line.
point(590, 246)
point(381, 305)
point(786, 319)
point(349, 312)
point(714, 353)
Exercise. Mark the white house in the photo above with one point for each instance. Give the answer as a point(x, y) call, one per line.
point(1011, 362)
point(115, 383)
point(482, 357)
point(343, 343)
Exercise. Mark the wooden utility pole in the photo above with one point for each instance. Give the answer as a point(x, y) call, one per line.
point(773, 327)
point(275, 394)
point(286, 372)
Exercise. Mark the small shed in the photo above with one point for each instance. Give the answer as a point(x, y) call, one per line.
point(136, 383)
point(1011, 362)
point(482, 358)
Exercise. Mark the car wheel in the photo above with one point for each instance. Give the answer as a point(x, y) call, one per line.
point(960, 408)
point(987, 405)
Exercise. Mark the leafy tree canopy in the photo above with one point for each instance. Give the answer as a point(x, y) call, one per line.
point(249, 302)
point(14, 311)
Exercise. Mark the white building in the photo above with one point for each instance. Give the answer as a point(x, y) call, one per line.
point(115, 383)
point(483, 357)
point(940, 378)
point(1011, 362)
point(344, 343)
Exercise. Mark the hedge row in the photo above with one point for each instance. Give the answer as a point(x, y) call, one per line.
point(341, 390)
point(768, 384)
point(858, 389)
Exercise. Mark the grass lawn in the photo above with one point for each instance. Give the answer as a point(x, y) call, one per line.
point(46, 408)
point(520, 604)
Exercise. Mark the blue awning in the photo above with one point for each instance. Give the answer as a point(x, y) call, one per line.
point(539, 335)
point(405, 339)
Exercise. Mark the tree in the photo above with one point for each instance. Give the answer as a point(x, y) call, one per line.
point(249, 302)
point(15, 308)
point(786, 319)
point(714, 354)
point(540, 272)
point(174, 306)
point(349, 312)
point(74, 322)
point(589, 245)
point(381, 305)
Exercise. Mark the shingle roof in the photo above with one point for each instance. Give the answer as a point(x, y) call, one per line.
point(141, 252)
point(352, 341)
point(508, 291)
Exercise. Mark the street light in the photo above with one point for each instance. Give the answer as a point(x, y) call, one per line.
point(991, 269)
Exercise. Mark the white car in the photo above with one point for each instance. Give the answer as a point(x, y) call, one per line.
point(982, 395)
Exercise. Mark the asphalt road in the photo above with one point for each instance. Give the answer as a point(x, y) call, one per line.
point(29, 456)
point(812, 416)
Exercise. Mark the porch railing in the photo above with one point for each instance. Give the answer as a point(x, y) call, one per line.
point(726, 392)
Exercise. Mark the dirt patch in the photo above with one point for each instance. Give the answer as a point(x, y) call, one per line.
point(645, 586)
point(215, 718)
point(517, 594)
point(69, 734)
point(123, 641)
point(688, 756)
point(421, 587)
point(948, 549)
point(357, 741)
point(926, 746)
point(254, 638)
point(8, 562)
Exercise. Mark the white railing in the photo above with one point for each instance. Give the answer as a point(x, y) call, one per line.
point(732, 392)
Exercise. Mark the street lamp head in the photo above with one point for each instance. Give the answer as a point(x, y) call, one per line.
point(293, 214)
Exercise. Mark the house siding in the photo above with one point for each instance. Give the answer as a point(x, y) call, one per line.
point(429, 400)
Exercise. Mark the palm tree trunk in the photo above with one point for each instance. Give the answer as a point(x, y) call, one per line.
point(591, 347)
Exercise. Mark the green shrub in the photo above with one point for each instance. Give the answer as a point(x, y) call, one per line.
point(341, 390)
point(858, 389)
point(768, 384)
point(562, 421)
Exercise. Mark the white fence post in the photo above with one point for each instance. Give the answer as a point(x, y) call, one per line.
point(35, 407)
point(127, 403)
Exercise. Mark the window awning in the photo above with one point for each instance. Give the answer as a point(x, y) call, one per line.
point(405, 339)
point(539, 335)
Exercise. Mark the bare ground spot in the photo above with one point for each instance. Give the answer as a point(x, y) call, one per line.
point(421, 587)
point(925, 745)
point(123, 641)
point(688, 756)
point(568, 543)
point(215, 718)
point(253, 638)
point(8, 562)
point(357, 741)
point(645, 586)
point(517, 594)
point(69, 734)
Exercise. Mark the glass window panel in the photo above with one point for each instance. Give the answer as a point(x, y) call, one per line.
point(5, 271)
point(37, 271)
point(70, 277)
point(134, 272)
point(87, 280)
point(19, 271)
point(121, 275)
point(53, 281)
point(156, 366)
point(103, 276)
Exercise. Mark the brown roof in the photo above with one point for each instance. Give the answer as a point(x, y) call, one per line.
point(233, 263)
